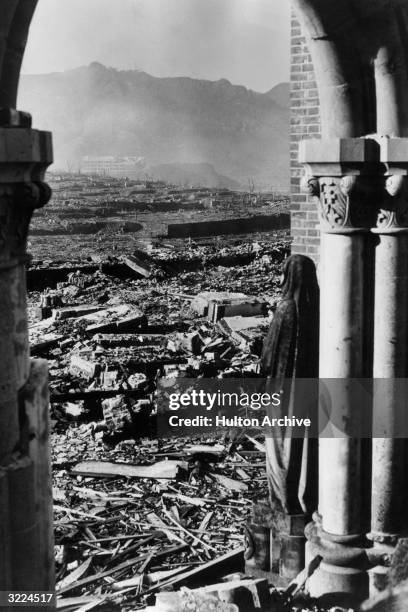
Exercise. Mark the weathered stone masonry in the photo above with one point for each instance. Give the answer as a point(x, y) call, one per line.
point(304, 123)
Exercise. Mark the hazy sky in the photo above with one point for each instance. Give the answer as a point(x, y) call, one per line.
point(245, 41)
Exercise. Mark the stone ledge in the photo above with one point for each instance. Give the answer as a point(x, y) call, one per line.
point(24, 145)
point(339, 151)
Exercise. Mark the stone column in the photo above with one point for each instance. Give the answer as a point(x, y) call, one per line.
point(24, 157)
point(340, 176)
point(389, 471)
point(27, 542)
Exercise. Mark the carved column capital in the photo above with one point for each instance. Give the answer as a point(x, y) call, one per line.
point(393, 206)
point(18, 201)
point(361, 183)
point(392, 215)
point(343, 175)
point(24, 156)
point(345, 203)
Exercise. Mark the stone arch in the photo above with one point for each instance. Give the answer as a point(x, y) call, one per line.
point(14, 26)
point(359, 51)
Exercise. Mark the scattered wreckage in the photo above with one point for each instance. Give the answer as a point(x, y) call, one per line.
point(143, 523)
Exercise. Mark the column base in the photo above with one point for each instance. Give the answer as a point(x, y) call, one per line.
point(386, 569)
point(378, 580)
point(342, 577)
point(333, 585)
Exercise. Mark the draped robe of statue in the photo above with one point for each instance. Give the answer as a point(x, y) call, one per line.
point(290, 352)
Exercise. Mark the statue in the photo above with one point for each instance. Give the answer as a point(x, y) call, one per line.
point(290, 352)
point(275, 539)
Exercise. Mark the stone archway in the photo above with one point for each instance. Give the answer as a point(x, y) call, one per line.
point(14, 27)
point(357, 175)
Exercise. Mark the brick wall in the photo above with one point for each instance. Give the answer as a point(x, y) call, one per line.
point(304, 123)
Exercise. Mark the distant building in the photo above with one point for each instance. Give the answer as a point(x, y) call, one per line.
point(118, 167)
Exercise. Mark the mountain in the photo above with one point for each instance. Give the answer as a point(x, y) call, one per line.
point(280, 94)
point(95, 110)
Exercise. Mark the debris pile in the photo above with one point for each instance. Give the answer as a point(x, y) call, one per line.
point(159, 526)
point(150, 515)
point(99, 214)
point(108, 336)
point(142, 523)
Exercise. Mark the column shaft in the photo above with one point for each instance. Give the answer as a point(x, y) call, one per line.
point(341, 356)
point(341, 274)
point(390, 362)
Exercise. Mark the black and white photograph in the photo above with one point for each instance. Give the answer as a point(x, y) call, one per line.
point(204, 305)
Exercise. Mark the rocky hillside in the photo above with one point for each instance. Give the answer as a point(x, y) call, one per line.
point(96, 110)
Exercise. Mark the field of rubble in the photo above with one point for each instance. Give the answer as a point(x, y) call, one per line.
point(141, 522)
point(93, 215)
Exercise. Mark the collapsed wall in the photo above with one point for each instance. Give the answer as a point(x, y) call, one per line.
point(257, 223)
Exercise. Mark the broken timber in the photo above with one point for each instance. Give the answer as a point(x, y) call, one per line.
point(212, 570)
point(126, 564)
point(71, 396)
point(162, 469)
